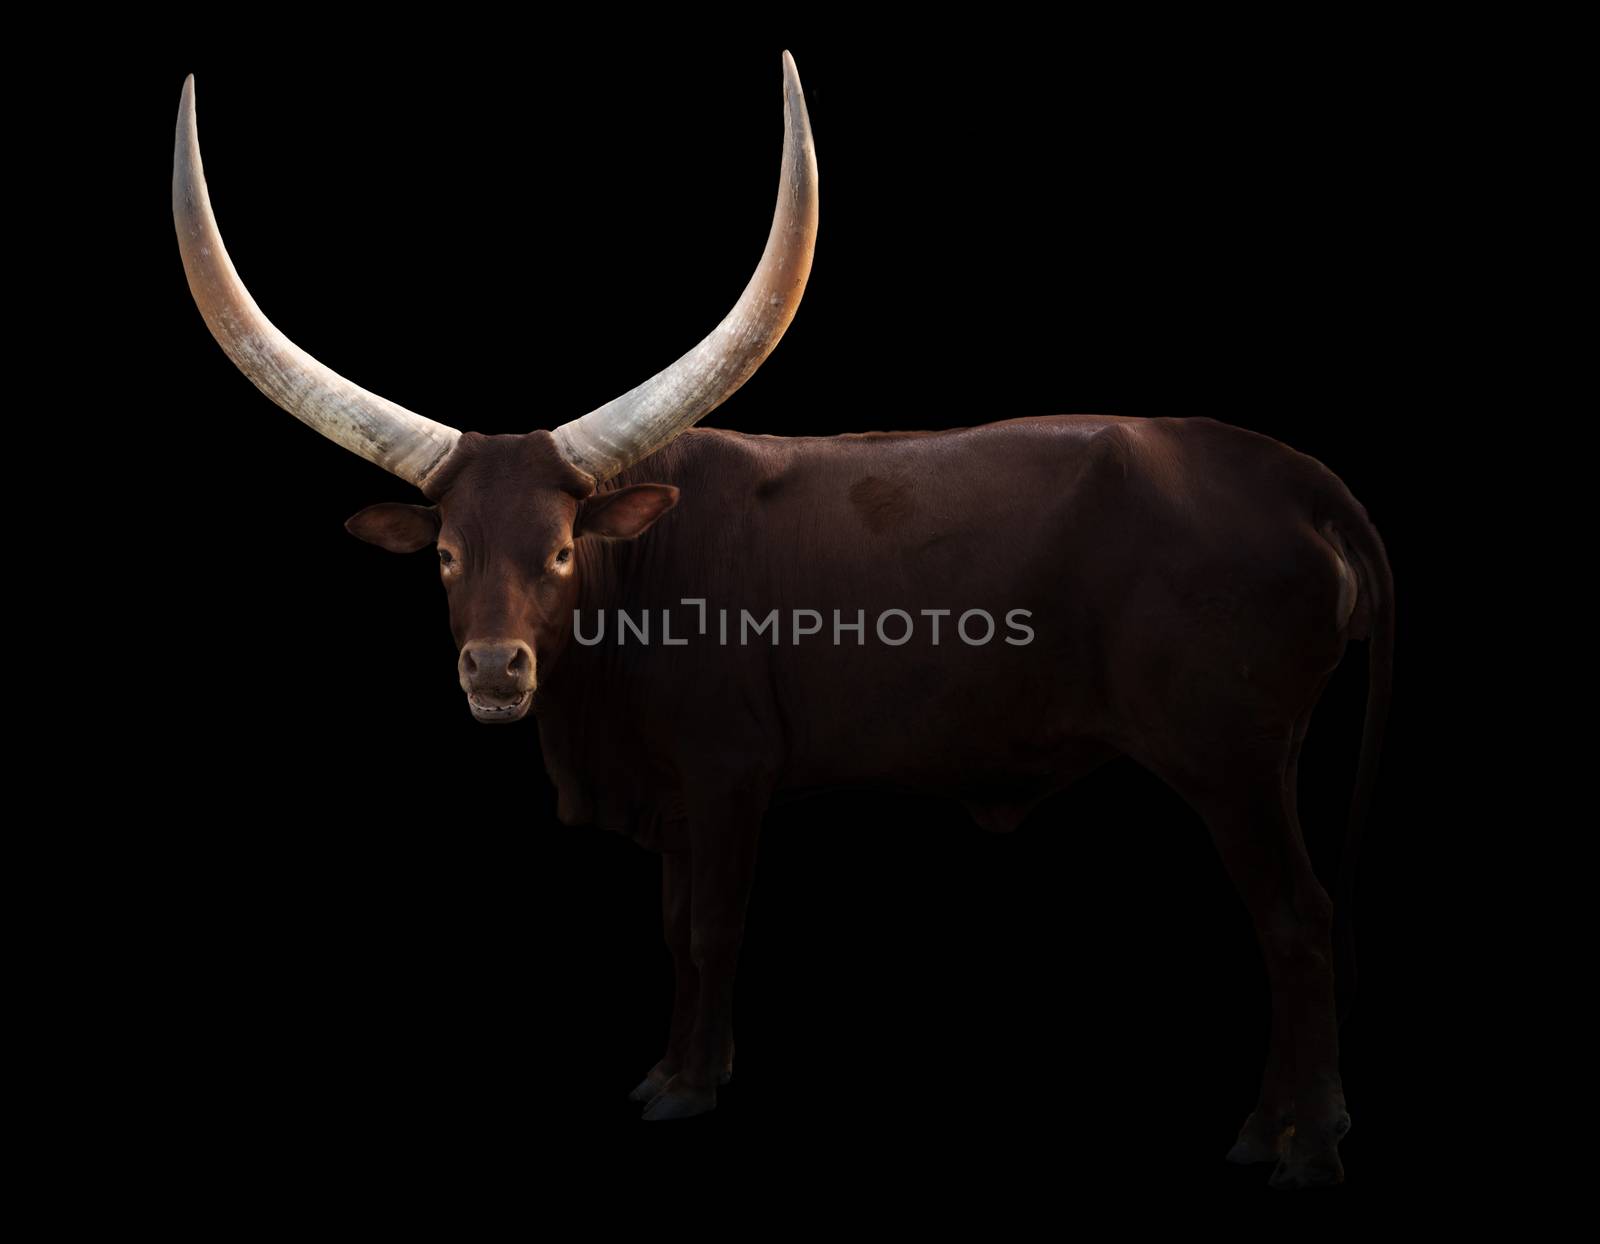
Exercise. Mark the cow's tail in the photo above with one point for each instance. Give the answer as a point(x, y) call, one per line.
point(1374, 621)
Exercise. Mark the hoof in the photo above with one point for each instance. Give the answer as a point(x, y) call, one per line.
point(1323, 1171)
point(651, 1086)
point(679, 1101)
point(1312, 1160)
point(1261, 1140)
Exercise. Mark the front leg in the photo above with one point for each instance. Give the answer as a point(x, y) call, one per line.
point(724, 826)
point(676, 888)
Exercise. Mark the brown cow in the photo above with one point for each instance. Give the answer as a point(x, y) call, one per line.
point(986, 613)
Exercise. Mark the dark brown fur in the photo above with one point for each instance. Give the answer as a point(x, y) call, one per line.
point(1185, 581)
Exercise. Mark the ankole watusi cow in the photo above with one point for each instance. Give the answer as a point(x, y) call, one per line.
point(984, 613)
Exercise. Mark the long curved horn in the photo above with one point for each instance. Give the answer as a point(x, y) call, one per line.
point(642, 420)
point(381, 432)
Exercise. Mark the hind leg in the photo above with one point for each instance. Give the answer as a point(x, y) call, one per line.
point(1247, 804)
point(1267, 1132)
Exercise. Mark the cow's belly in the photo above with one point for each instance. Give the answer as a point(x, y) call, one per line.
point(1001, 724)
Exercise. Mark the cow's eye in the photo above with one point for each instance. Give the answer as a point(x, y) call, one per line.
point(563, 557)
point(445, 557)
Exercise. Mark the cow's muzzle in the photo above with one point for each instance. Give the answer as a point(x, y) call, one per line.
point(498, 677)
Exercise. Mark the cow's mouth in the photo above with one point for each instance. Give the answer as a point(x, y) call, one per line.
point(498, 709)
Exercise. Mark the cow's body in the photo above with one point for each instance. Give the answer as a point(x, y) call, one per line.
point(1189, 587)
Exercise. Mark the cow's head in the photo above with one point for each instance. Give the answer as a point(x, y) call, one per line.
point(509, 514)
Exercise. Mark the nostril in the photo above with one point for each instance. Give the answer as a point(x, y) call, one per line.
point(468, 664)
point(519, 662)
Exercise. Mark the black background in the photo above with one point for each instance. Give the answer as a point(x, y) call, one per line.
point(362, 921)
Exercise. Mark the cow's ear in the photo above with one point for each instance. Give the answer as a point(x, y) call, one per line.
point(626, 513)
point(396, 527)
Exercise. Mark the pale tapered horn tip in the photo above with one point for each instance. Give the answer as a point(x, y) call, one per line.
point(791, 79)
point(186, 108)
